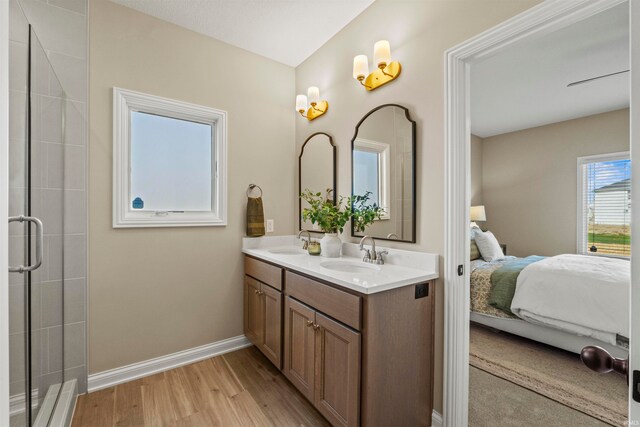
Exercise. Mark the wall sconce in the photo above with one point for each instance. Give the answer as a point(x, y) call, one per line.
point(387, 70)
point(316, 107)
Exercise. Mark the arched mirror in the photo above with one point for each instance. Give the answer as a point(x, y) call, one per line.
point(383, 163)
point(316, 171)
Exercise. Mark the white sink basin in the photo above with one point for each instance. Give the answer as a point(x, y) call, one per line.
point(349, 267)
point(288, 251)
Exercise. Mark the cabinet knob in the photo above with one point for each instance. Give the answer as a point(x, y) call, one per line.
point(309, 323)
point(257, 292)
point(316, 326)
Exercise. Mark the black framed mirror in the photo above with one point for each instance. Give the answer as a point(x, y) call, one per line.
point(383, 163)
point(316, 171)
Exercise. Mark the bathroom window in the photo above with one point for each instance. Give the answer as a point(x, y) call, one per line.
point(169, 162)
point(371, 163)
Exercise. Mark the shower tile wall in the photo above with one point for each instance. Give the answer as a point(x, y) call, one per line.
point(61, 26)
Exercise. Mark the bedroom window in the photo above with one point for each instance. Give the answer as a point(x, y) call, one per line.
point(604, 205)
point(169, 162)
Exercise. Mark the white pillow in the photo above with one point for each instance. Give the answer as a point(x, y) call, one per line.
point(488, 245)
point(473, 230)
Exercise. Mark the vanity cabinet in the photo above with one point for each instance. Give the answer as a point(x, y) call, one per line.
point(322, 360)
point(299, 344)
point(263, 310)
point(361, 359)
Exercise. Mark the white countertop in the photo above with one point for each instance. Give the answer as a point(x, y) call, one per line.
point(401, 268)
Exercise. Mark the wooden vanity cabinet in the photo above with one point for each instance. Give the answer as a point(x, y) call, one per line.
point(300, 346)
point(263, 309)
point(322, 360)
point(362, 360)
point(337, 395)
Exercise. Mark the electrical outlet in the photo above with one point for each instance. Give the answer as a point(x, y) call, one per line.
point(270, 226)
point(422, 290)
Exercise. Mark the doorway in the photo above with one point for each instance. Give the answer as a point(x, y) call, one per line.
point(543, 19)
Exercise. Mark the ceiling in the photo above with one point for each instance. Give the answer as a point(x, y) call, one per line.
point(287, 31)
point(526, 85)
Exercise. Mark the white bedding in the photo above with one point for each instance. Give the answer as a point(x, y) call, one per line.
point(585, 295)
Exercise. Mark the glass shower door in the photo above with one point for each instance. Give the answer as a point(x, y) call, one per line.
point(37, 149)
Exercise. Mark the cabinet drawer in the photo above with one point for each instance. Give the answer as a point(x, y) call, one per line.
point(266, 273)
point(340, 305)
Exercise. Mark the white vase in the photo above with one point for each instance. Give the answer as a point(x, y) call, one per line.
point(330, 245)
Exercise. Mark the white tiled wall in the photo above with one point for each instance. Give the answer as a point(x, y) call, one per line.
point(61, 27)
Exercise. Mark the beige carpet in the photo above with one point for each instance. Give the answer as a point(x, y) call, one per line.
point(518, 406)
point(553, 373)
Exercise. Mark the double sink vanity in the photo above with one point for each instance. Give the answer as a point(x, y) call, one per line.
point(355, 338)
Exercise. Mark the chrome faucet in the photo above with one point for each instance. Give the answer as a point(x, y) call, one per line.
point(305, 244)
point(371, 255)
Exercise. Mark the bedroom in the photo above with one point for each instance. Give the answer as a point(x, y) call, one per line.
point(550, 180)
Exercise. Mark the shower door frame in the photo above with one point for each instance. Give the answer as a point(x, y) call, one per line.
point(4, 210)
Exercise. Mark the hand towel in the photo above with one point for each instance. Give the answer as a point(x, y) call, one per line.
point(255, 217)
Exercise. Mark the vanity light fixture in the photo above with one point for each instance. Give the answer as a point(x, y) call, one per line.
point(387, 70)
point(315, 108)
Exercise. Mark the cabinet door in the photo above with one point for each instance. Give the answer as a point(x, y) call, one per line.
point(299, 345)
point(253, 312)
point(337, 393)
point(272, 303)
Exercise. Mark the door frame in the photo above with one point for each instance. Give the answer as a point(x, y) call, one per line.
point(4, 211)
point(634, 113)
point(543, 18)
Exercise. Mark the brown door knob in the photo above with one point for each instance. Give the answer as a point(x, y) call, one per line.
point(600, 360)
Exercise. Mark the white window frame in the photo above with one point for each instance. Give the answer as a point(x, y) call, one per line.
point(582, 225)
point(124, 216)
point(384, 171)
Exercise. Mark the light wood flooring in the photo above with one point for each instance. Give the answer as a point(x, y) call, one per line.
point(241, 388)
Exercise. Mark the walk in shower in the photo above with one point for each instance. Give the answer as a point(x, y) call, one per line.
point(38, 109)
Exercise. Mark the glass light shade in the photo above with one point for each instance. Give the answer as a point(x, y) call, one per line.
point(477, 213)
point(301, 103)
point(360, 66)
point(381, 53)
point(314, 95)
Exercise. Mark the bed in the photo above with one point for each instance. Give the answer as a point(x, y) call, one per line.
point(567, 301)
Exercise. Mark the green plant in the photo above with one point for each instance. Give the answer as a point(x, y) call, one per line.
point(331, 217)
point(363, 213)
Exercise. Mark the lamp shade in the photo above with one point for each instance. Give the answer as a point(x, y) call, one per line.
point(313, 95)
point(477, 213)
point(381, 53)
point(360, 66)
point(301, 103)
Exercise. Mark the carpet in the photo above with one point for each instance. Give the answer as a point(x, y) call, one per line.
point(553, 373)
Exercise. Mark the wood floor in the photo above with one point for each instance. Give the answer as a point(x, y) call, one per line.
point(241, 388)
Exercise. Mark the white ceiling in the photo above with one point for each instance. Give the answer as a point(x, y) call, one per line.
point(287, 31)
point(526, 85)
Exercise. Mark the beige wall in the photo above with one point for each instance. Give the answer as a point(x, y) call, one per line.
point(476, 170)
point(419, 32)
point(157, 291)
point(529, 180)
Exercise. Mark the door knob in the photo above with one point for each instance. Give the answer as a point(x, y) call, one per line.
point(600, 360)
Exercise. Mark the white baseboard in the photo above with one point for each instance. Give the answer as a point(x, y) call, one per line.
point(436, 419)
point(16, 402)
point(164, 363)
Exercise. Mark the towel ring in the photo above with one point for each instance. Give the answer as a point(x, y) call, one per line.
point(251, 187)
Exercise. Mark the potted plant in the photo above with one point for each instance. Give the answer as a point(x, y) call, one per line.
point(331, 217)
